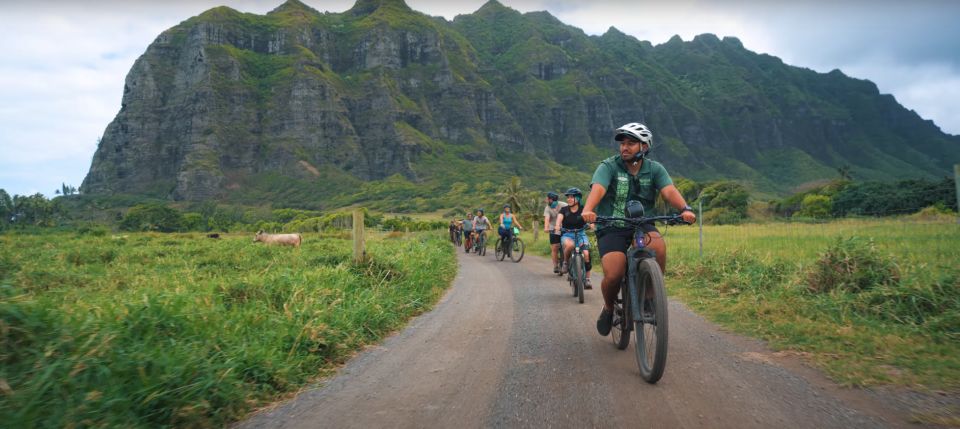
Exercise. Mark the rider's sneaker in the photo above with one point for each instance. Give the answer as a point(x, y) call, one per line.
point(556, 269)
point(563, 270)
point(587, 285)
point(605, 322)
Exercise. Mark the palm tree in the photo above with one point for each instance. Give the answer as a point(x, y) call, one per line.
point(513, 193)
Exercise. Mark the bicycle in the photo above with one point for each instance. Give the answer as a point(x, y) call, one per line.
point(456, 237)
point(643, 283)
point(512, 249)
point(480, 243)
point(576, 267)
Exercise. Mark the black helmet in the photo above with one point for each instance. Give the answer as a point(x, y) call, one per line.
point(506, 206)
point(480, 210)
point(576, 194)
point(553, 195)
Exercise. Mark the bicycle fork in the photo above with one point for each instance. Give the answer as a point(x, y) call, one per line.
point(633, 259)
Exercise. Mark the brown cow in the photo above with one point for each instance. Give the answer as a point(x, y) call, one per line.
point(280, 239)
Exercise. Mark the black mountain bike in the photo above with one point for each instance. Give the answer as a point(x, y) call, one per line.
point(456, 237)
point(514, 248)
point(576, 268)
point(641, 306)
point(480, 244)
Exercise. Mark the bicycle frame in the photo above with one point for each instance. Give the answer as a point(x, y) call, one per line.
point(577, 247)
point(636, 253)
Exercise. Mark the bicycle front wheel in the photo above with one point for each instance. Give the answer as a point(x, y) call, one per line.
point(498, 252)
point(576, 271)
point(651, 329)
point(483, 246)
point(516, 253)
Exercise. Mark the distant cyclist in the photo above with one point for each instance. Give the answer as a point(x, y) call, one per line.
point(467, 226)
point(618, 179)
point(570, 217)
point(480, 224)
point(454, 230)
point(550, 212)
point(507, 222)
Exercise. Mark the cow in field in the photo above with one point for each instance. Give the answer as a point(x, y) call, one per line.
point(280, 239)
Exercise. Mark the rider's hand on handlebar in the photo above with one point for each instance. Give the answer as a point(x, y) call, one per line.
point(689, 217)
point(589, 217)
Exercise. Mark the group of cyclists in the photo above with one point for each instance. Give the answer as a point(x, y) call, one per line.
point(628, 176)
point(473, 226)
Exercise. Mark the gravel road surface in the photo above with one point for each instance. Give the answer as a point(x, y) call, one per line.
point(508, 346)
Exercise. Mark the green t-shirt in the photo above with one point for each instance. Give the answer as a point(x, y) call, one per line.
point(622, 187)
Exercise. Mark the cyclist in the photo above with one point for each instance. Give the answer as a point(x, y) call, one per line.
point(454, 230)
point(507, 221)
point(618, 179)
point(480, 224)
point(570, 217)
point(550, 212)
point(467, 225)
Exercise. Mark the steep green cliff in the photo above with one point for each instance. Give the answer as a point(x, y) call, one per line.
point(383, 103)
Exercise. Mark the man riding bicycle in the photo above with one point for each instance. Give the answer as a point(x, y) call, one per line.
point(467, 226)
point(550, 212)
point(570, 217)
point(618, 179)
point(480, 224)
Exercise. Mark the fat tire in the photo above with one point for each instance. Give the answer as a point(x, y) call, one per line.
point(651, 362)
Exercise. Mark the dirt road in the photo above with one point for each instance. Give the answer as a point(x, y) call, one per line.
point(508, 346)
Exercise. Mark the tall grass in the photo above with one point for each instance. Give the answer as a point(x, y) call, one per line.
point(148, 330)
point(871, 301)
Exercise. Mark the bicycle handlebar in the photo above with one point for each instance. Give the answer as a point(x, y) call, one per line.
point(669, 220)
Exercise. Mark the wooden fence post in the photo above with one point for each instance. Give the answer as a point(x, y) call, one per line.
point(956, 181)
point(700, 223)
point(536, 231)
point(359, 245)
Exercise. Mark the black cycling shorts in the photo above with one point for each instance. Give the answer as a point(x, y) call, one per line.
point(554, 238)
point(615, 239)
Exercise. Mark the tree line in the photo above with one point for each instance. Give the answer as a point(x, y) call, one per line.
point(723, 202)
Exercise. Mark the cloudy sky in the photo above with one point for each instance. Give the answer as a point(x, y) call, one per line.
point(64, 62)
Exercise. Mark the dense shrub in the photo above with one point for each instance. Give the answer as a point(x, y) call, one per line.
point(722, 216)
point(890, 198)
point(152, 217)
point(852, 265)
point(815, 206)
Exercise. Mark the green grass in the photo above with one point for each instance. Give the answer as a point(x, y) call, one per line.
point(146, 330)
point(756, 279)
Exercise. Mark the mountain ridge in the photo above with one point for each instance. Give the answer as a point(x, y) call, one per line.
point(293, 104)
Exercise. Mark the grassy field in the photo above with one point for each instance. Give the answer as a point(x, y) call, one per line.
point(869, 301)
point(146, 330)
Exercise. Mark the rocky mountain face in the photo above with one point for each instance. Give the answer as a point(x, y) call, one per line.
point(298, 104)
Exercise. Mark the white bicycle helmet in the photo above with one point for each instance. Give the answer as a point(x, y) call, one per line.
point(635, 130)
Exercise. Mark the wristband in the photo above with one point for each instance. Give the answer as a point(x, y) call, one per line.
point(687, 209)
